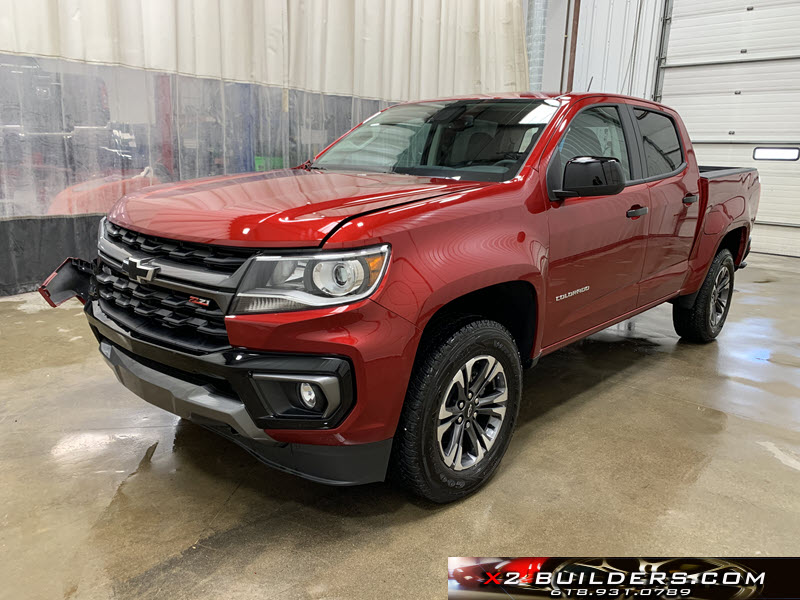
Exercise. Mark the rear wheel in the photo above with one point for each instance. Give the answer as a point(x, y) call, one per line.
point(703, 321)
point(460, 411)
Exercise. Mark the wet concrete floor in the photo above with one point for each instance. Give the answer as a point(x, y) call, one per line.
point(630, 442)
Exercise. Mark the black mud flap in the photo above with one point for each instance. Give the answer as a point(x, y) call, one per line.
point(72, 279)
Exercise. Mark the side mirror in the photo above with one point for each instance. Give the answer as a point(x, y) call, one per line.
point(591, 176)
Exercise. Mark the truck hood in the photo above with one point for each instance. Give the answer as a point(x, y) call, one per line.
point(289, 207)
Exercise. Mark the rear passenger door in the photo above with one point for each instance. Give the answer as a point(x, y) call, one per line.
point(674, 203)
point(596, 249)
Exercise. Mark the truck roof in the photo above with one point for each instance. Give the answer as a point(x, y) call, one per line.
point(538, 95)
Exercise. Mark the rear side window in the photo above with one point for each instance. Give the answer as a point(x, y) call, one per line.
point(662, 146)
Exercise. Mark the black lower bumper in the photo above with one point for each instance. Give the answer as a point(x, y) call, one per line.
point(225, 392)
point(332, 465)
point(256, 379)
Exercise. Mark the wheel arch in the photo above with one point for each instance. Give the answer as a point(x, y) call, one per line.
point(513, 304)
point(734, 240)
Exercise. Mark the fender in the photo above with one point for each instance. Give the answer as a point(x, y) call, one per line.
point(720, 218)
point(489, 248)
point(446, 247)
point(708, 246)
point(476, 282)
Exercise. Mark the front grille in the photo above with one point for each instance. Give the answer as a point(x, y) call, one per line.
point(217, 258)
point(164, 315)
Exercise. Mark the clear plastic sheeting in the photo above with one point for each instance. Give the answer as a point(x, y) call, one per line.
point(76, 137)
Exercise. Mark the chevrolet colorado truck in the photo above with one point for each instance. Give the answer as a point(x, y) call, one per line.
point(371, 311)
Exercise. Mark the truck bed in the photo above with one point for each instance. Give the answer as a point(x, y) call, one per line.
point(710, 172)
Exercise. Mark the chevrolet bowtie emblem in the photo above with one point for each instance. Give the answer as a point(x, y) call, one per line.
point(139, 269)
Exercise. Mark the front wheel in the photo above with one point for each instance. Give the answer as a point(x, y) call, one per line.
point(460, 410)
point(703, 321)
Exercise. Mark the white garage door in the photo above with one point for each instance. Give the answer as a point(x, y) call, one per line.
point(732, 71)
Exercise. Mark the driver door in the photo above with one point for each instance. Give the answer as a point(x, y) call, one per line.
point(596, 248)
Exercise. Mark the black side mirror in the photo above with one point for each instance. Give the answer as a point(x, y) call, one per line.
point(591, 176)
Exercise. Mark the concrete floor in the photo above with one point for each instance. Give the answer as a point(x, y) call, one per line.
point(630, 442)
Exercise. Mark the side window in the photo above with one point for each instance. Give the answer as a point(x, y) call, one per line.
point(595, 132)
point(662, 146)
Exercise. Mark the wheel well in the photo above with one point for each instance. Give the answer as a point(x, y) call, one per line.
point(512, 304)
point(735, 241)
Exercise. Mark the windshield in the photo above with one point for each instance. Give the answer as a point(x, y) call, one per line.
point(479, 140)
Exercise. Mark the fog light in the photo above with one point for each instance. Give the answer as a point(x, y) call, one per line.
point(308, 395)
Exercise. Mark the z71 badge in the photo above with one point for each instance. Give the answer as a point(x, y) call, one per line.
point(199, 301)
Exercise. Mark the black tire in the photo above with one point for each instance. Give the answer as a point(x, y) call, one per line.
point(418, 457)
point(703, 321)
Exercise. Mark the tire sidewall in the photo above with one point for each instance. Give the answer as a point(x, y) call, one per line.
point(442, 479)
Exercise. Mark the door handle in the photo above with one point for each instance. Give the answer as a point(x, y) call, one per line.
point(636, 212)
point(690, 198)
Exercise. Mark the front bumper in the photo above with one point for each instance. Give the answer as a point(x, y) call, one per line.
point(183, 398)
point(210, 390)
point(364, 349)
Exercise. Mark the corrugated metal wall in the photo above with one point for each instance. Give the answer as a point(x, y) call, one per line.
point(733, 72)
point(617, 46)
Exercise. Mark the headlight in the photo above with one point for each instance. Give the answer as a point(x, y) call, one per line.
point(303, 281)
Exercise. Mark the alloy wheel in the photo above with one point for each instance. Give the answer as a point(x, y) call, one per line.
point(720, 296)
point(472, 412)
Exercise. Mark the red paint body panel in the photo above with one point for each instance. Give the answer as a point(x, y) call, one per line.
point(592, 244)
point(728, 203)
point(672, 227)
point(290, 207)
point(446, 247)
point(379, 344)
point(450, 238)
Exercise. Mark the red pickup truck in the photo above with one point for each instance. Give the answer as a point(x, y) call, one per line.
point(371, 311)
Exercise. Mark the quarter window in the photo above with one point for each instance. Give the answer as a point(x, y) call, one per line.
point(595, 132)
point(662, 146)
